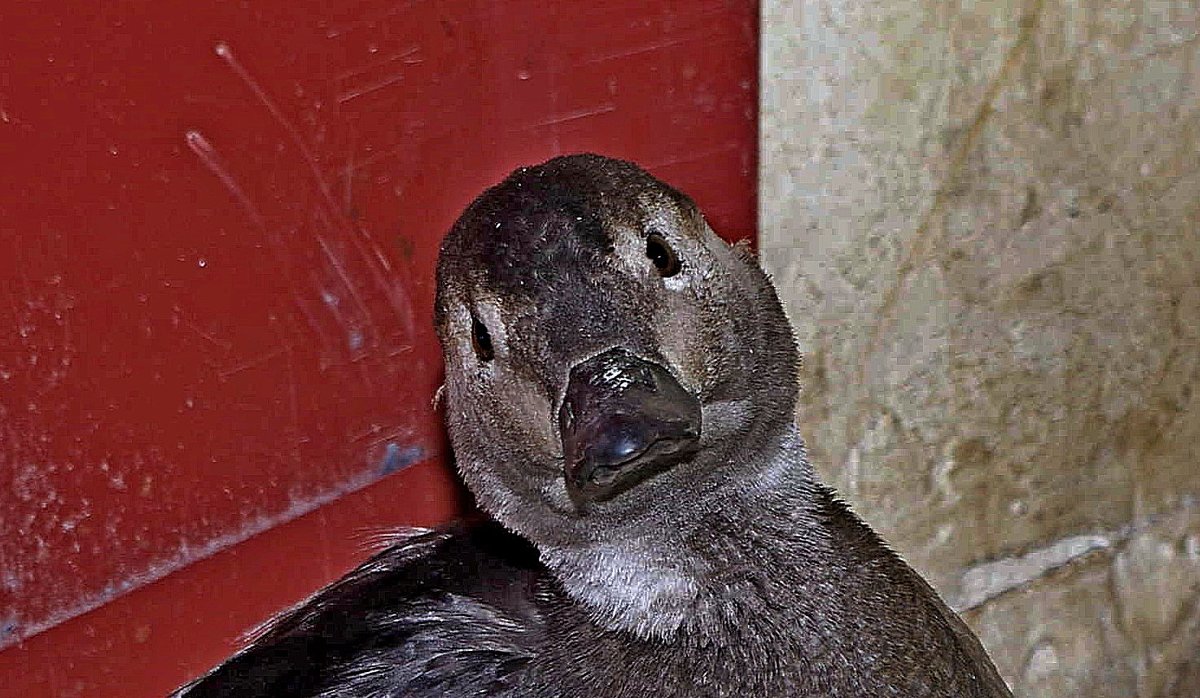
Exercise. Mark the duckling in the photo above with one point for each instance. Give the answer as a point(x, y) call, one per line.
point(620, 389)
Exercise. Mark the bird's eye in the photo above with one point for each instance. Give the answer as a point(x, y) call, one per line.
point(664, 258)
point(481, 340)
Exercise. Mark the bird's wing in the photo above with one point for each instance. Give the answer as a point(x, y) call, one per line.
point(438, 614)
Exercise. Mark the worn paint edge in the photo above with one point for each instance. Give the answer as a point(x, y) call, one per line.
point(14, 633)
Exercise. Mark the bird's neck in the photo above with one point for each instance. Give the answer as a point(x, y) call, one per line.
point(712, 577)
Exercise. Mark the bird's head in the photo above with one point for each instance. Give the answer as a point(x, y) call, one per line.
point(612, 366)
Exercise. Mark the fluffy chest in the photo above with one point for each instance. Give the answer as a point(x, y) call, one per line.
point(784, 635)
point(775, 653)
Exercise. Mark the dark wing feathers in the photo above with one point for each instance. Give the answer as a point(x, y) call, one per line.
point(455, 647)
point(437, 614)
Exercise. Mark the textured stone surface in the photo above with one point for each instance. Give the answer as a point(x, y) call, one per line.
point(985, 221)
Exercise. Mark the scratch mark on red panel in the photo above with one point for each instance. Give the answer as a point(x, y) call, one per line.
point(366, 20)
point(378, 437)
point(646, 48)
point(339, 268)
point(216, 164)
point(374, 260)
point(693, 157)
point(379, 256)
point(393, 291)
point(576, 115)
point(348, 174)
point(407, 56)
point(211, 158)
point(384, 155)
point(313, 323)
point(226, 54)
point(213, 340)
point(402, 349)
point(251, 363)
point(373, 87)
point(331, 209)
point(333, 221)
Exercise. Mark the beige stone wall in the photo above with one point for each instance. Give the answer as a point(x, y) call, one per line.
point(985, 220)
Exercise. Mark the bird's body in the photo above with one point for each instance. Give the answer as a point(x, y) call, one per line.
point(620, 390)
point(470, 612)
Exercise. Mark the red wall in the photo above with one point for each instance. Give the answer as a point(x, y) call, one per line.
point(218, 224)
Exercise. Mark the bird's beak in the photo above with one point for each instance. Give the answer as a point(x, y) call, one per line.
point(623, 420)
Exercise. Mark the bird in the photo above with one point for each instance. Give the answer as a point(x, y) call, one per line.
point(620, 393)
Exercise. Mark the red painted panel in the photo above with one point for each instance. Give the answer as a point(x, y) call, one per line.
point(218, 224)
point(149, 641)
